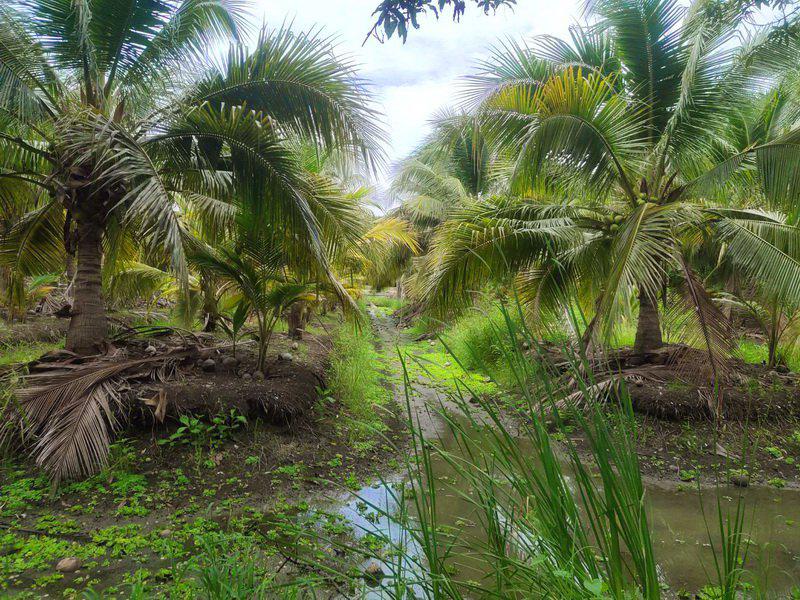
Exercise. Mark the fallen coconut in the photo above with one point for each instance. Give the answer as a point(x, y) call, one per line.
point(68, 565)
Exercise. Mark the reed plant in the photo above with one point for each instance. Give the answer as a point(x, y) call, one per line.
point(553, 520)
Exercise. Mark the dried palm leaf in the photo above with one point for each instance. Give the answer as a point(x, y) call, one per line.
point(70, 411)
point(706, 327)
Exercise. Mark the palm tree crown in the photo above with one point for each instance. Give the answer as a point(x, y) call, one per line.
point(113, 116)
point(627, 142)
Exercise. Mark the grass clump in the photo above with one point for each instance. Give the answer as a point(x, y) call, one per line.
point(383, 301)
point(354, 380)
point(474, 339)
point(558, 522)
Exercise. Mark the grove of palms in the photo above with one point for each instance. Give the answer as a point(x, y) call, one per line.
point(225, 309)
point(652, 141)
point(115, 113)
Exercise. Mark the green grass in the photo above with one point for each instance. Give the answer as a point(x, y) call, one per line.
point(384, 301)
point(444, 371)
point(624, 335)
point(26, 352)
point(354, 380)
point(473, 338)
point(756, 354)
point(424, 325)
point(751, 352)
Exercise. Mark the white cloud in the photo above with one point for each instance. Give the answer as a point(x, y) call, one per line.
point(412, 81)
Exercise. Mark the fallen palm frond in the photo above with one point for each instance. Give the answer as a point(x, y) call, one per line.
point(69, 410)
point(605, 384)
point(709, 329)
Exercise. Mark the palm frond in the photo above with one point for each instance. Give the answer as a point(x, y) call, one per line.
point(137, 281)
point(511, 66)
point(393, 231)
point(766, 251)
point(640, 255)
point(64, 30)
point(70, 412)
point(296, 81)
point(649, 41)
point(29, 86)
point(138, 38)
point(491, 240)
point(708, 328)
point(35, 246)
point(121, 162)
point(582, 124)
point(592, 49)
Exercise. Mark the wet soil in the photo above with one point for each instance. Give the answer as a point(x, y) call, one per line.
point(756, 440)
point(294, 450)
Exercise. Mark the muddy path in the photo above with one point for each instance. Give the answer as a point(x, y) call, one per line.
point(427, 398)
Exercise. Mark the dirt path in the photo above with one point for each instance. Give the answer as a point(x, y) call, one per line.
point(427, 402)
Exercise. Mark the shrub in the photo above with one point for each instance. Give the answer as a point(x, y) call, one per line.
point(479, 339)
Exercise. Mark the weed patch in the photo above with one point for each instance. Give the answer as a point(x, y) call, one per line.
point(355, 381)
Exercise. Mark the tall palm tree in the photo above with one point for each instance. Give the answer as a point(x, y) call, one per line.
point(113, 111)
point(624, 136)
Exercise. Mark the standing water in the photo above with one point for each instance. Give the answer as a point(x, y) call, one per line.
point(680, 519)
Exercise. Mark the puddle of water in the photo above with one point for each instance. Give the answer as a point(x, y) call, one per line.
point(679, 528)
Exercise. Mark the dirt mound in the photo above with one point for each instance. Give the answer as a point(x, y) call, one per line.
point(677, 386)
point(34, 329)
point(676, 383)
point(286, 394)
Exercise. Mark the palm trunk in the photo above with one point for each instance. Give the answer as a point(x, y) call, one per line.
point(296, 320)
point(210, 306)
point(88, 327)
point(648, 328)
point(265, 328)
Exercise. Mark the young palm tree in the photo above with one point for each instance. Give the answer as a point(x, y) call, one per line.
point(113, 112)
point(255, 271)
point(625, 137)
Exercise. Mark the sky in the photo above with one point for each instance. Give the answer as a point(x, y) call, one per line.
point(412, 81)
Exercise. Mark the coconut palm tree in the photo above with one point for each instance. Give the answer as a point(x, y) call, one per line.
point(624, 137)
point(255, 270)
point(453, 166)
point(114, 111)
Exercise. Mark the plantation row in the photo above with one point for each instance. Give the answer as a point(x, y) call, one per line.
point(209, 322)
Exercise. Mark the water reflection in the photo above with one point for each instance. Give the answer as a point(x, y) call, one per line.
point(680, 527)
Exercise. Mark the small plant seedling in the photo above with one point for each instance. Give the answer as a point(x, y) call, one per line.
point(774, 451)
point(201, 435)
point(234, 324)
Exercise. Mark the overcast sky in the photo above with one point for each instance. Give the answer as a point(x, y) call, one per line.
point(412, 81)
